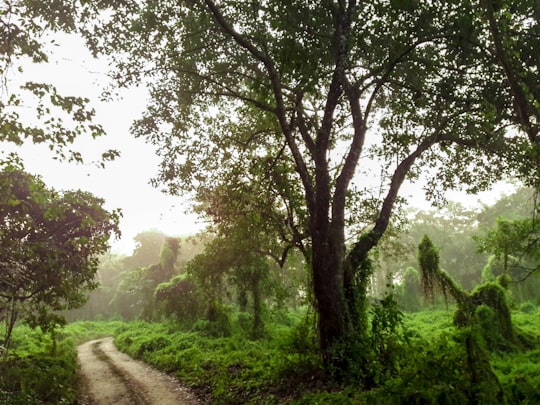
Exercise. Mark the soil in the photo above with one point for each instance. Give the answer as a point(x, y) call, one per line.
point(111, 377)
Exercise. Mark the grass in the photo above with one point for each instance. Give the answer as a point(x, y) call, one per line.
point(227, 369)
point(40, 369)
point(278, 369)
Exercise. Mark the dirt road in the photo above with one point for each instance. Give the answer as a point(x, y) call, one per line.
point(111, 377)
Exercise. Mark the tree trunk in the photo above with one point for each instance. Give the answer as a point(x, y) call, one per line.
point(327, 286)
point(258, 325)
point(11, 319)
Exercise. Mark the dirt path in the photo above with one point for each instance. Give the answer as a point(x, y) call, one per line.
point(111, 377)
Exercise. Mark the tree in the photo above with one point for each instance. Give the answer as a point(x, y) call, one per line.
point(50, 244)
point(137, 287)
point(513, 38)
point(452, 228)
point(99, 304)
point(147, 249)
point(515, 249)
point(484, 310)
point(410, 293)
point(257, 220)
point(308, 82)
point(26, 38)
point(520, 204)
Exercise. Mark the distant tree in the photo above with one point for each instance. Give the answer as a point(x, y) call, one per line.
point(190, 247)
point(452, 228)
point(50, 244)
point(137, 287)
point(156, 274)
point(156, 260)
point(99, 304)
point(522, 203)
point(180, 299)
point(128, 299)
point(409, 293)
point(515, 249)
point(147, 249)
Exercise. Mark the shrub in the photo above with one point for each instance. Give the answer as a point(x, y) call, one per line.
point(527, 307)
point(39, 376)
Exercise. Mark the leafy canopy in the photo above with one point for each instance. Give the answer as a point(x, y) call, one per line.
point(37, 111)
point(49, 246)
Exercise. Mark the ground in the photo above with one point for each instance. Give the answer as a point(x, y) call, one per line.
point(111, 377)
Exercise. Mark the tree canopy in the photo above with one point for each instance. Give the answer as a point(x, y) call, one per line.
point(37, 111)
point(357, 97)
point(50, 242)
point(344, 101)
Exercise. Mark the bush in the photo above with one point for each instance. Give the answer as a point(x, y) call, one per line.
point(527, 307)
point(39, 376)
point(153, 344)
point(212, 329)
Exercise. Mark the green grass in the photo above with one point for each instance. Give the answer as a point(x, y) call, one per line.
point(223, 370)
point(37, 370)
point(41, 370)
point(279, 369)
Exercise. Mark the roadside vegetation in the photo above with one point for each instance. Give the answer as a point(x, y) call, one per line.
point(431, 362)
point(312, 282)
point(237, 330)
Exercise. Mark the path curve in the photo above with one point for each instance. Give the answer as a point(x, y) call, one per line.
point(111, 377)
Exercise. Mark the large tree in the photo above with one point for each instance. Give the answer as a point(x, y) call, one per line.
point(50, 243)
point(386, 92)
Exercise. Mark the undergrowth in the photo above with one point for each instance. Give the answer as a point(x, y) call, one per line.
point(229, 370)
point(41, 368)
point(279, 369)
point(37, 370)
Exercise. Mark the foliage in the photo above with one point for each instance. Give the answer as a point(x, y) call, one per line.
point(434, 368)
point(217, 322)
point(515, 246)
point(223, 369)
point(147, 248)
point(452, 229)
point(33, 374)
point(456, 231)
point(100, 303)
point(230, 88)
point(485, 309)
point(27, 38)
point(409, 293)
point(135, 292)
point(518, 205)
point(42, 369)
point(180, 299)
point(50, 244)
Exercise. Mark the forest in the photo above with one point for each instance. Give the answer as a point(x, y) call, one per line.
point(296, 129)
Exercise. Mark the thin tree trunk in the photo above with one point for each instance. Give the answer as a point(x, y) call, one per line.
point(11, 319)
point(258, 326)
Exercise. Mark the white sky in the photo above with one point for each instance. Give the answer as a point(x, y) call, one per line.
point(125, 182)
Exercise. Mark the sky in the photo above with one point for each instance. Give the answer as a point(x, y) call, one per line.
point(124, 183)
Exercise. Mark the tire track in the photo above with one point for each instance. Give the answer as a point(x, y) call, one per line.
point(111, 377)
point(134, 391)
